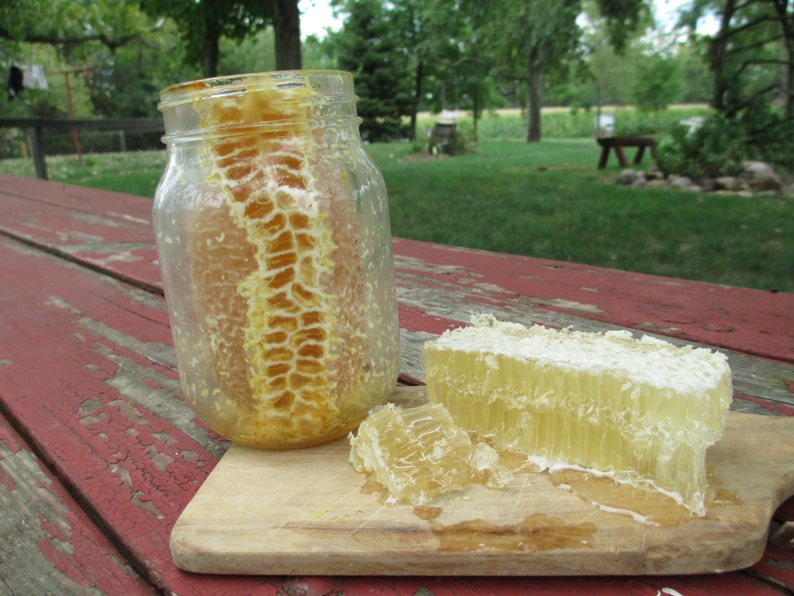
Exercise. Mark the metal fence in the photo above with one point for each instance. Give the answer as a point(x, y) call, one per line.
point(35, 128)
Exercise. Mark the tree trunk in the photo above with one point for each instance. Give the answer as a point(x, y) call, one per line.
point(209, 64)
point(718, 48)
point(788, 105)
point(787, 50)
point(210, 51)
point(286, 26)
point(533, 97)
point(420, 70)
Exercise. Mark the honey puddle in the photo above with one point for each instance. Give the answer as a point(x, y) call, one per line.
point(427, 513)
point(540, 531)
point(645, 506)
point(376, 489)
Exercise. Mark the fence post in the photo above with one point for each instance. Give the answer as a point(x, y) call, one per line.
point(37, 147)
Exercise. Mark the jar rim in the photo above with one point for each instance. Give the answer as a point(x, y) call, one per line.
point(191, 90)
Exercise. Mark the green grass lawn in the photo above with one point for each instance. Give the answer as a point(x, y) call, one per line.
point(546, 200)
point(549, 200)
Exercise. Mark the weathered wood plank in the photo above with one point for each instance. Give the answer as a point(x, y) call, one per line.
point(739, 319)
point(49, 544)
point(106, 231)
point(427, 310)
point(440, 286)
point(742, 320)
point(700, 585)
point(89, 377)
point(124, 207)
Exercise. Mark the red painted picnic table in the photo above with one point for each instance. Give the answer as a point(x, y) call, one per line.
point(99, 454)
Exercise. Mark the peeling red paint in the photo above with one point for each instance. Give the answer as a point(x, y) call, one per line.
point(740, 319)
point(414, 319)
point(7, 481)
point(774, 408)
point(52, 531)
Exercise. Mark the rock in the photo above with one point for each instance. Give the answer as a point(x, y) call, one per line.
point(727, 183)
point(627, 176)
point(761, 176)
point(757, 179)
point(679, 182)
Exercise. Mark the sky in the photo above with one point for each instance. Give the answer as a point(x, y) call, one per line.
point(316, 16)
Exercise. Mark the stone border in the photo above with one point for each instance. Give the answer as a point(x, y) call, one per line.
point(758, 178)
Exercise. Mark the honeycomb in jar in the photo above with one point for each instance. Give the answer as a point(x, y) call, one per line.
point(278, 279)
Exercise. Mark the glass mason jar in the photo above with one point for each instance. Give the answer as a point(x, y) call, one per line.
point(273, 236)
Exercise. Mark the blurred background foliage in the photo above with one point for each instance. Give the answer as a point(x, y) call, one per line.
point(109, 59)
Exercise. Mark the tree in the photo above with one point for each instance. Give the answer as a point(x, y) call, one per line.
point(110, 53)
point(609, 70)
point(125, 83)
point(752, 54)
point(69, 23)
point(286, 24)
point(372, 48)
point(202, 23)
point(256, 53)
point(548, 39)
point(456, 42)
point(695, 73)
point(658, 83)
point(541, 39)
point(751, 58)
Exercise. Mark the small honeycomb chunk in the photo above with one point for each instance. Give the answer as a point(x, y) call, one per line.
point(419, 453)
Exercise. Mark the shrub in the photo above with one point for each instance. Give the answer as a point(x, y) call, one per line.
point(769, 136)
point(710, 150)
point(465, 140)
point(721, 144)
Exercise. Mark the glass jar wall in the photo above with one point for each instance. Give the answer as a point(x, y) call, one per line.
point(273, 236)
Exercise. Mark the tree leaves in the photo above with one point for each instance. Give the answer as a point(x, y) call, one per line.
point(201, 24)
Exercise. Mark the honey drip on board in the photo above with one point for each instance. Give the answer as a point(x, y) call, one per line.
point(650, 507)
point(426, 512)
point(410, 475)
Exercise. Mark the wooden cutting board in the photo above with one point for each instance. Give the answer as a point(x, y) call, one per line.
point(306, 512)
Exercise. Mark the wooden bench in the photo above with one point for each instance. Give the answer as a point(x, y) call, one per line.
point(618, 143)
